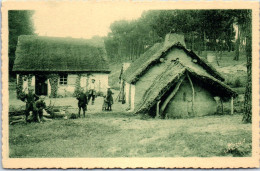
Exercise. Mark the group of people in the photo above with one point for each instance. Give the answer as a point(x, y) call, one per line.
point(34, 104)
point(85, 97)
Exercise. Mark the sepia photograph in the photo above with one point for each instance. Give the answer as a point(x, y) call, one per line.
point(98, 81)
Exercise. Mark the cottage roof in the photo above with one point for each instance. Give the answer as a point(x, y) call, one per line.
point(36, 53)
point(172, 75)
point(160, 50)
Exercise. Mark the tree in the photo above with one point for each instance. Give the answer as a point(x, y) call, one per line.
point(19, 23)
point(202, 29)
point(240, 19)
point(247, 117)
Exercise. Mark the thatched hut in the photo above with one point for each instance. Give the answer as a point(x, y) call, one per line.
point(60, 66)
point(169, 80)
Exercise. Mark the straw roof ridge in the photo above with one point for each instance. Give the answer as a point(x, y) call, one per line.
point(153, 55)
point(147, 60)
point(39, 53)
point(141, 64)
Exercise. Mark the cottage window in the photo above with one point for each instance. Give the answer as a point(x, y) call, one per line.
point(64, 79)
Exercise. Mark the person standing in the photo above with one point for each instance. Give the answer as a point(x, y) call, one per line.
point(92, 91)
point(110, 100)
point(82, 102)
point(25, 85)
point(30, 99)
point(40, 105)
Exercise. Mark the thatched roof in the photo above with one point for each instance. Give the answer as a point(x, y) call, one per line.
point(153, 55)
point(35, 53)
point(171, 76)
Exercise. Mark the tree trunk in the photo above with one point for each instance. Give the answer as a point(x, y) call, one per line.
point(222, 106)
point(237, 45)
point(247, 117)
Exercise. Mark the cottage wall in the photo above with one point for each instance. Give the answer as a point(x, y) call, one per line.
point(67, 90)
point(132, 95)
point(101, 82)
point(49, 87)
point(127, 89)
point(180, 105)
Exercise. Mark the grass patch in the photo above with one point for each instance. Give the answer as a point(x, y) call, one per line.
point(127, 135)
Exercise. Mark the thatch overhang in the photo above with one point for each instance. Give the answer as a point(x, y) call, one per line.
point(153, 55)
point(163, 82)
point(49, 54)
point(172, 75)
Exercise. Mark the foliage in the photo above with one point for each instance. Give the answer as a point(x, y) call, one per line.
point(29, 80)
point(53, 78)
point(203, 30)
point(77, 86)
point(238, 149)
point(19, 23)
point(237, 82)
point(19, 87)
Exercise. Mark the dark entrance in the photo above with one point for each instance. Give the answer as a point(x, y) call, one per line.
point(41, 85)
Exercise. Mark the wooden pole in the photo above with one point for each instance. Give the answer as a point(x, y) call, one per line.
point(171, 95)
point(193, 93)
point(232, 106)
point(222, 106)
point(129, 97)
point(158, 109)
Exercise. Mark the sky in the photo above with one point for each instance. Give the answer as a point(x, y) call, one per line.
point(81, 21)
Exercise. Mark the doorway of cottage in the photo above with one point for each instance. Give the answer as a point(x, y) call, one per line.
point(41, 85)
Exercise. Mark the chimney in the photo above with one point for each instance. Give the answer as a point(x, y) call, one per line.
point(173, 38)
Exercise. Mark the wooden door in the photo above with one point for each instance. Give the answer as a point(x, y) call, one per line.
point(41, 85)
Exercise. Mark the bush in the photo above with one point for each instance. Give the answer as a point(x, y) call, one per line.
point(238, 149)
point(237, 83)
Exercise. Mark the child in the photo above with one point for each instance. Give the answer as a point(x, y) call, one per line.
point(109, 99)
point(82, 101)
point(104, 106)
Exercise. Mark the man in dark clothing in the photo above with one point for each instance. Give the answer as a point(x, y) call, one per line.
point(40, 105)
point(82, 102)
point(30, 99)
point(109, 99)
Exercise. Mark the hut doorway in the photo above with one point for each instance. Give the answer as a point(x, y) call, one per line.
point(41, 85)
